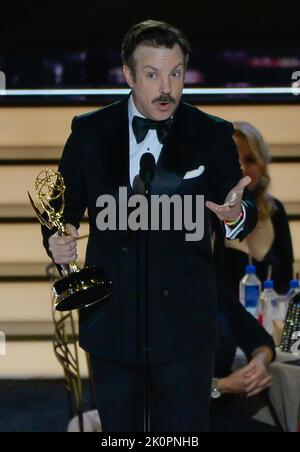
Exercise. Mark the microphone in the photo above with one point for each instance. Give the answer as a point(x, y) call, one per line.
point(147, 168)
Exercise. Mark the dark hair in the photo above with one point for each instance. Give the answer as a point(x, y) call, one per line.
point(155, 34)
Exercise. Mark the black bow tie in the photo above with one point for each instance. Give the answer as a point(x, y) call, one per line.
point(141, 126)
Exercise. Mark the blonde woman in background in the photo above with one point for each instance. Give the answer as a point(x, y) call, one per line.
point(270, 242)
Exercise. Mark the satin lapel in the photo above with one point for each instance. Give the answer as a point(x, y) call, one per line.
point(116, 158)
point(116, 161)
point(178, 154)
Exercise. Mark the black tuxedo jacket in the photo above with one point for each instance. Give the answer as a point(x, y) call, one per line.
point(182, 311)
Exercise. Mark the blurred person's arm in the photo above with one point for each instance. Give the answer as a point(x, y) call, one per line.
point(252, 378)
point(283, 248)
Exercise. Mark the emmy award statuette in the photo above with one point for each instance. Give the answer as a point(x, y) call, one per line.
point(77, 288)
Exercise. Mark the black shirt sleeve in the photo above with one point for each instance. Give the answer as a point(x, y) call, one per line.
point(283, 248)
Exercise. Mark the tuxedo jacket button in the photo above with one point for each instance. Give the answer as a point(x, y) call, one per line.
point(166, 293)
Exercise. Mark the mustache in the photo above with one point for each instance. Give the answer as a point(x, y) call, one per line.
point(165, 98)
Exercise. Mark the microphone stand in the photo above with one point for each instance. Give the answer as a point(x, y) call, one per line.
point(145, 246)
point(147, 172)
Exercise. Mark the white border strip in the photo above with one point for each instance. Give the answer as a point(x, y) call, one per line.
point(118, 92)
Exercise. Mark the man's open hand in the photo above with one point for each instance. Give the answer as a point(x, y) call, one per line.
point(232, 207)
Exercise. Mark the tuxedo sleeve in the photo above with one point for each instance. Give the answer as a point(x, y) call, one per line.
point(71, 168)
point(226, 173)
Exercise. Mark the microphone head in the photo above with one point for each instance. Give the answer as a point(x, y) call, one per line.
point(147, 167)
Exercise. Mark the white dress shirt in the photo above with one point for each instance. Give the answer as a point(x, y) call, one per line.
point(152, 145)
point(136, 150)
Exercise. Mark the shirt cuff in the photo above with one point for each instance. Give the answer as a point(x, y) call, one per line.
point(231, 234)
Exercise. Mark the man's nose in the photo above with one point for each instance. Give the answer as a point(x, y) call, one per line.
point(166, 87)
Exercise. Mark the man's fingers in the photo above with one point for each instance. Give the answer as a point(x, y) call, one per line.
point(64, 249)
point(66, 261)
point(252, 366)
point(236, 194)
point(233, 199)
point(212, 206)
point(249, 369)
point(66, 257)
point(72, 231)
point(74, 257)
point(262, 384)
point(217, 208)
point(66, 253)
point(257, 391)
point(63, 241)
point(243, 183)
point(255, 375)
point(262, 387)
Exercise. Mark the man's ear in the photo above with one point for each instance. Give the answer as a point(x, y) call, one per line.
point(128, 75)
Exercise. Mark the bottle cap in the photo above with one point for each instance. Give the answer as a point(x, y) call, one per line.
point(294, 284)
point(268, 284)
point(251, 269)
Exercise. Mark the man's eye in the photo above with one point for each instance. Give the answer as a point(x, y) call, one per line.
point(150, 75)
point(176, 74)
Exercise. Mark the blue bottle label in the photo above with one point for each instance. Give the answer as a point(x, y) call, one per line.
point(251, 299)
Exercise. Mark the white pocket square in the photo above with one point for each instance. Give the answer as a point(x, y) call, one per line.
point(195, 173)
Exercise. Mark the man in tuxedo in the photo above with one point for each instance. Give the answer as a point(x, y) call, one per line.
point(101, 155)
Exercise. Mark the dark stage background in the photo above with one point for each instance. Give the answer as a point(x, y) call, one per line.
point(97, 24)
point(64, 44)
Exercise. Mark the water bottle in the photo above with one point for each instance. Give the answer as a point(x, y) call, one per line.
point(292, 319)
point(269, 306)
point(294, 289)
point(250, 289)
point(291, 332)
